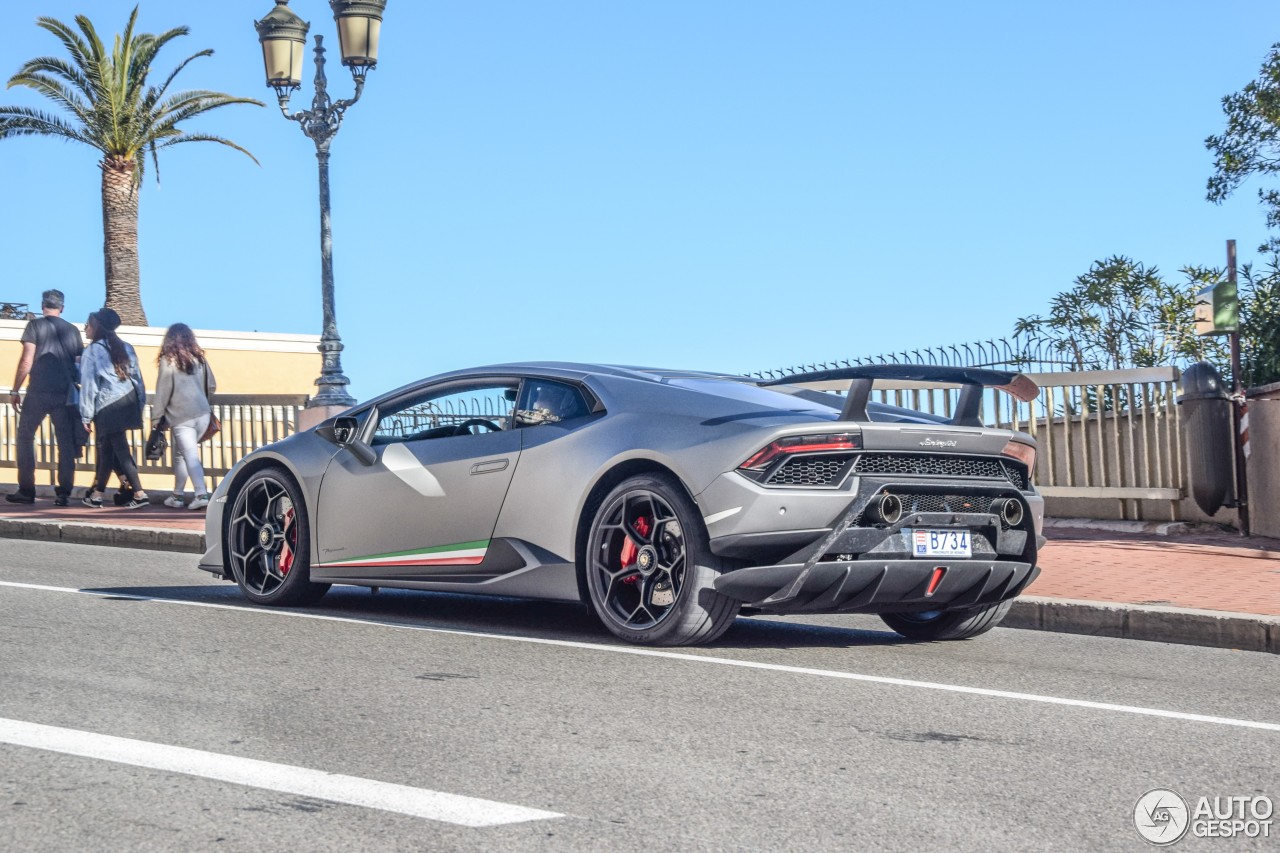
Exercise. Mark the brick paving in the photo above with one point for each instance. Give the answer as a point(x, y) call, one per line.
point(1212, 571)
point(1205, 571)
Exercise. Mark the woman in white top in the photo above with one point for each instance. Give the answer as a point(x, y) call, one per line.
point(182, 398)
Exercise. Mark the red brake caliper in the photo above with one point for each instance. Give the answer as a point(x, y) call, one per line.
point(286, 550)
point(630, 551)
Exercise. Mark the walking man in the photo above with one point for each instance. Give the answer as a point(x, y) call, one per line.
point(50, 347)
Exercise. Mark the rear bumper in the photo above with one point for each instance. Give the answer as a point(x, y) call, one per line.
point(866, 586)
point(856, 565)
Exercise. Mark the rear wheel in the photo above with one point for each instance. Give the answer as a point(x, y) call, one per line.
point(650, 570)
point(267, 542)
point(947, 624)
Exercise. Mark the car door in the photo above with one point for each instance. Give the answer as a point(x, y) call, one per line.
point(426, 507)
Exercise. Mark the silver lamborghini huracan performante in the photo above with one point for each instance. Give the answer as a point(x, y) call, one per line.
point(667, 501)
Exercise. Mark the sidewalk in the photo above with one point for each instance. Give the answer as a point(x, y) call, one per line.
point(1206, 588)
point(1210, 588)
point(155, 527)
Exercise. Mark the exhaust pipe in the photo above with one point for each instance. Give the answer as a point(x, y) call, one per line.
point(1011, 511)
point(888, 509)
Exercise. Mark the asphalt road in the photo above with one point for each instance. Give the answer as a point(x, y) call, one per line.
point(818, 733)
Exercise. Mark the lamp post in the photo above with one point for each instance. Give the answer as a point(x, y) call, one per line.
point(283, 36)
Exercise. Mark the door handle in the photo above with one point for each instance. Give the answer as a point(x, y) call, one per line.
point(490, 466)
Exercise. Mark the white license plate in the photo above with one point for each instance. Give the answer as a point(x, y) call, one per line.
point(940, 543)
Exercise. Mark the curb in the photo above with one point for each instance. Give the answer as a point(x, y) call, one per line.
point(80, 533)
point(1250, 632)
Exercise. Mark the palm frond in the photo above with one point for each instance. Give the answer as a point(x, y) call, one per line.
point(194, 102)
point(205, 137)
point(156, 94)
point(58, 67)
point(23, 121)
point(55, 90)
point(144, 50)
point(77, 47)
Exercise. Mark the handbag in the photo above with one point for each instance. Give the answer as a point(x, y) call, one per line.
point(215, 425)
point(157, 442)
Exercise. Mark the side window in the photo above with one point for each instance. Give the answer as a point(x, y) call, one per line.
point(440, 413)
point(545, 402)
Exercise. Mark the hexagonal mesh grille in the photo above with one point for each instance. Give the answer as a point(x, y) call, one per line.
point(927, 464)
point(811, 471)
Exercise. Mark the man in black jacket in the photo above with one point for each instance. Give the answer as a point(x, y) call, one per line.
point(50, 347)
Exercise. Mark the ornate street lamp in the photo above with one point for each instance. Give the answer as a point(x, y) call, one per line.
point(283, 36)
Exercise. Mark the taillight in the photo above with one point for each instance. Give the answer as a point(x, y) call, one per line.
point(794, 444)
point(1024, 453)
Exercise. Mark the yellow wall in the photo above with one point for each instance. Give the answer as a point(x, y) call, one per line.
point(243, 362)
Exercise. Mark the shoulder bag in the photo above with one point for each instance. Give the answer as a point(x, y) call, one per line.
point(215, 425)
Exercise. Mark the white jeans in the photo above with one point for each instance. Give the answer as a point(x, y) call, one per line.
point(186, 455)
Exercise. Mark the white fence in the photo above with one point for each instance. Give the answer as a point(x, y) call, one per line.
point(248, 422)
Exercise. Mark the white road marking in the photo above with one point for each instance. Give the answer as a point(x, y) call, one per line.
point(656, 653)
point(304, 782)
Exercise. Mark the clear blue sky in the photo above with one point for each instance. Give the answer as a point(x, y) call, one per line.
point(721, 184)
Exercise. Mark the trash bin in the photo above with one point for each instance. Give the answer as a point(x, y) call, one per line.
point(1206, 411)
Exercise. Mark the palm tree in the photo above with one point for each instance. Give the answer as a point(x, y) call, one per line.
point(112, 108)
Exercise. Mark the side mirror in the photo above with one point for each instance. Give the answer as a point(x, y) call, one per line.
point(344, 430)
point(346, 433)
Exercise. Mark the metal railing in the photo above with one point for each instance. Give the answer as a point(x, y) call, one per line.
point(1015, 353)
point(248, 422)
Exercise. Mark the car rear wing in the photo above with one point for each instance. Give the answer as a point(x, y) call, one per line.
point(972, 381)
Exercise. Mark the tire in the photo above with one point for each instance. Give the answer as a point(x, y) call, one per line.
point(267, 542)
point(649, 568)
point(947, 624)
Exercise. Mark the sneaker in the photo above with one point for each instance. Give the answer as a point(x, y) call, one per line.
point(61, 500)
point(199, 502)
point(138, 502)
point(90, 501)
point(20, 498)
point(174, 502)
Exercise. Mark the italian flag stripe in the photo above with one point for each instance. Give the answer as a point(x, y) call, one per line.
point(463, 553)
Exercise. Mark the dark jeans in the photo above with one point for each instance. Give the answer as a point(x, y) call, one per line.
point(35, 408)
point(114, 453)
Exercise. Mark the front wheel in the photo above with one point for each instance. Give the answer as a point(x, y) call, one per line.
point(267, 541)
point(650, 569)
point(947, 624)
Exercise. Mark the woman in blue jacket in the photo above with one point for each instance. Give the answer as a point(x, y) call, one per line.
point(111, 399)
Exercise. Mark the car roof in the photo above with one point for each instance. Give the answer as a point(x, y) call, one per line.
point(701, 381)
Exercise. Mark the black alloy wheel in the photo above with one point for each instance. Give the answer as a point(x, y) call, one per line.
point(267, 542)
point(649, 570)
